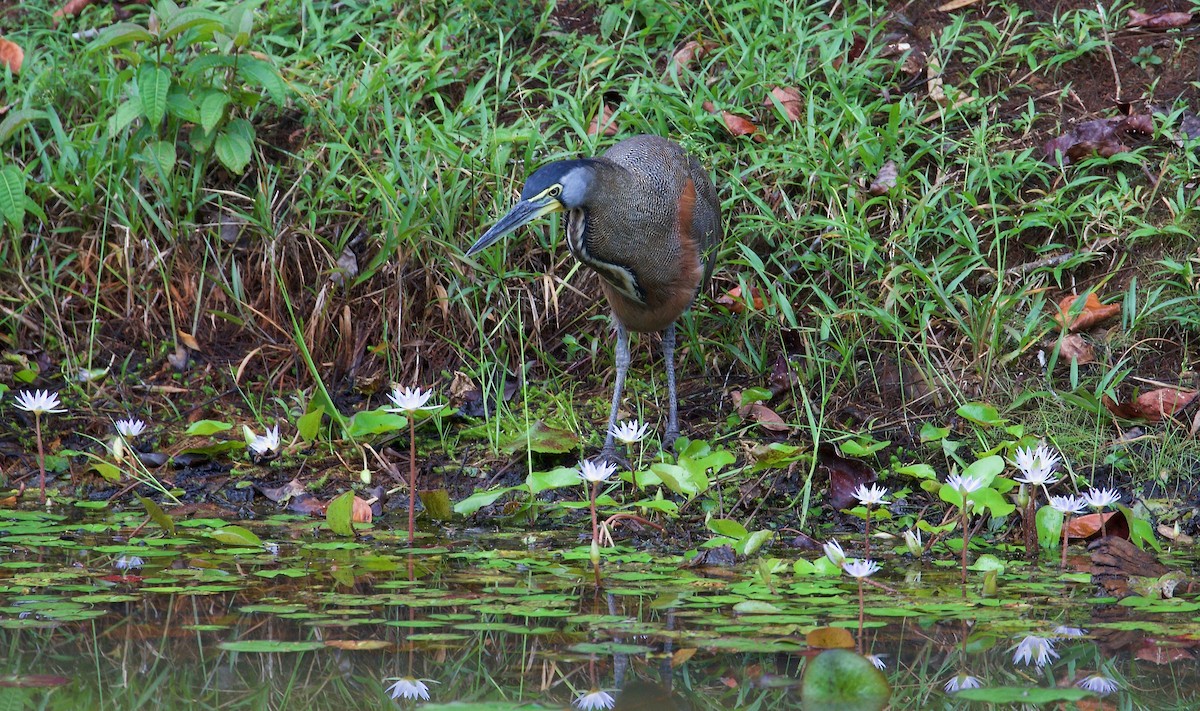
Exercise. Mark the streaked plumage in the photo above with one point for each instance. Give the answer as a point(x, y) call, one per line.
point(646, 218)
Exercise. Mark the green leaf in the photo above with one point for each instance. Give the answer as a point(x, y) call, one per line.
point(436, 504)
point(1024, 695)
point(204, 428)
point(677, 479)
point(1140, 531)
point(269, 646)
point(183, 20)
point(917, 471)
point(106, 470)
point(153, 84)
point(12, 196)
point(553, 479)
point(727, 527)
point(751, 543)
point(1049, 521)
point(986, 468)
point(158, 516)
point(235, 145)
point(309, 424)
point(338, 514)
point(542, 438)
point(119, 34)
point(181, 106)
point(840, 679)
point(18, 118)
point(264, 74)
point(162, 155)
point(373, 422)
point(479, 499)
point(929, 433)
point(124, 115)
point(212, 108)
point(236, 536)
point(981, 414)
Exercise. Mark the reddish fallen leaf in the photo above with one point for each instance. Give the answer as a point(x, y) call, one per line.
point(1093, 312)
point(1101, 136)
point(886, 179)
point(830, 638)
point(11, 55)
point(955, 5)
point(360, 511)
point(733, 300)
point(789, 99)
point(603, 122)
point(845, 475)
point(8, 502)
point(738, 126)
point(1155, 653)
point(72, 8)
point(767, 418)
point(1152, 406)
point(1089, 526)
point(358, 645)
point(1159, 21)
point(1074, 348)
point(681, 656)
point(688, 52)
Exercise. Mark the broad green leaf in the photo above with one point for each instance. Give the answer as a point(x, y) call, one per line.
point(108, 471)
point(930, 433)
point(119, 34)
point(235, 145)
point(181, 106)
point(204, 428)
point(917, 471)
point(1049, 523)
point(12, 195)
point(676, 478)
point(162, 155)
point(838, 679)
point(269, 646)
point(987, 468)
point(543, 439)
point(205, 21)
point(437, 504)
point(256, 71)
point(479, 499)
point(309, 424)
point(727, 527)
point(1027, 695)
point(212, 108)
point(373, 422)
point(338, 514)
point(125, 114)
point(553, 479)
point(981, 414)
point(1140, 531)
point(153, 84)
point(751, 543)
point(236, 536)
point(17, 118)
point(158, 516)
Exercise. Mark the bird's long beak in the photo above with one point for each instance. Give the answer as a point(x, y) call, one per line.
point(522, 213)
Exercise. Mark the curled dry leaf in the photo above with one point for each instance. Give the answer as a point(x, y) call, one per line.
point(360, 511)
point(1088, 526)
point(886, 179)
point(767, 418)
point(955, 5)
point(845, 475)
point(1074, 348)
point(688, 52)
point(1152, 406)
point(11, 55)
point(789, 99)
point(734, 301)
point(72, 8)
point(1104, 137)
point(1092, 314)
point(1159, 21)
point(603, 122)
point(738, 126)
point(830, 638)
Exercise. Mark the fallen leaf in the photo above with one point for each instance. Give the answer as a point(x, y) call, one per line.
point(1088, 526)
point(738, 126)
point(1093, 312)
point(955, 5)
point(358, 644)
point(1152, 406)
point(1104, 137)
point(680, 657)
point(1154, 653)
point(845, 475)
point(189, 341)
point(830, 638)
point(603, 122)
point(360, 511)
point(1073, 347)
point(688, 52)
point(1159, 21)
point(789, 99)
point(11, 55)
point(767, 418)
point(886, 179)
point(733, 300)
point(72, 8)
point(1173, 534)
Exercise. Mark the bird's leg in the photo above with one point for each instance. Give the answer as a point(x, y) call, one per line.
point(609, 452)
point(668, 348)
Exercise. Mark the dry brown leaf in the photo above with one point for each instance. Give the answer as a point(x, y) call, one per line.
point(360, 511)
point(189, 341)
point(1163, 402)
point(680, 657)
point(767, 418)
point(1159, 21)
point(1157, 654)
point(1112, 523)
point(72, 8)
point(886, 179)
point(688, 52)
point(789, 99)
point(1074, 348)
point(955, 5)
point(739, 126)
point(845, 476)
point(830, 638)
point(733, 300)
point(1104, 137)
point(603, 122)
point(1173, 534)
point(1093, 312)
point(11, 55)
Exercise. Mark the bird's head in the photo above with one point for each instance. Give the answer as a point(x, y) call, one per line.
point(562, 185)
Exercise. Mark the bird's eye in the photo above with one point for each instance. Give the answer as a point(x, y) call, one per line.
point(555, 191)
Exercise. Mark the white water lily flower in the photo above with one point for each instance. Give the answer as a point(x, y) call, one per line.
point(1067, 504)
point(631, 431)
point(409, 399)
point(409, 688)
point(595, 699)
point(964, 484)
point(960, 682)
point(40, 402)
point(1065, 631)
point(1101, 498)
point(596, 472)
point(1034, 650)
point(912, 541)
point(856, 568)
point(265, 443)
point(835, 554)
point(877, 660)
point(130, 428)
point(128, 562)
point(870, 496)
point(1037, 465)
point(1098, 684)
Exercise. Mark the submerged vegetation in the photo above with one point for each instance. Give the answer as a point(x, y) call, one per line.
point(950, 341)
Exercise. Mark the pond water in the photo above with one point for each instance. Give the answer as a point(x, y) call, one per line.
point(99, 611)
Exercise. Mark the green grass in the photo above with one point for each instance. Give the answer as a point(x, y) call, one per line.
point(397, 133)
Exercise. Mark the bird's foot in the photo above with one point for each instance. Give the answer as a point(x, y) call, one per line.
point(669, 437)
point(609, 455)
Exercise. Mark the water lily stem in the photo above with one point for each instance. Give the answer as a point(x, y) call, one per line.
point(867, 537)
point(595, 554)
point(37, 426)
point(1066, 521)
point(965, 536)
point(412, 477)
point(860, 615)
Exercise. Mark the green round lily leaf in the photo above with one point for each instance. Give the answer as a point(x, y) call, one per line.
point(1022, 695)
point(840, 680)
